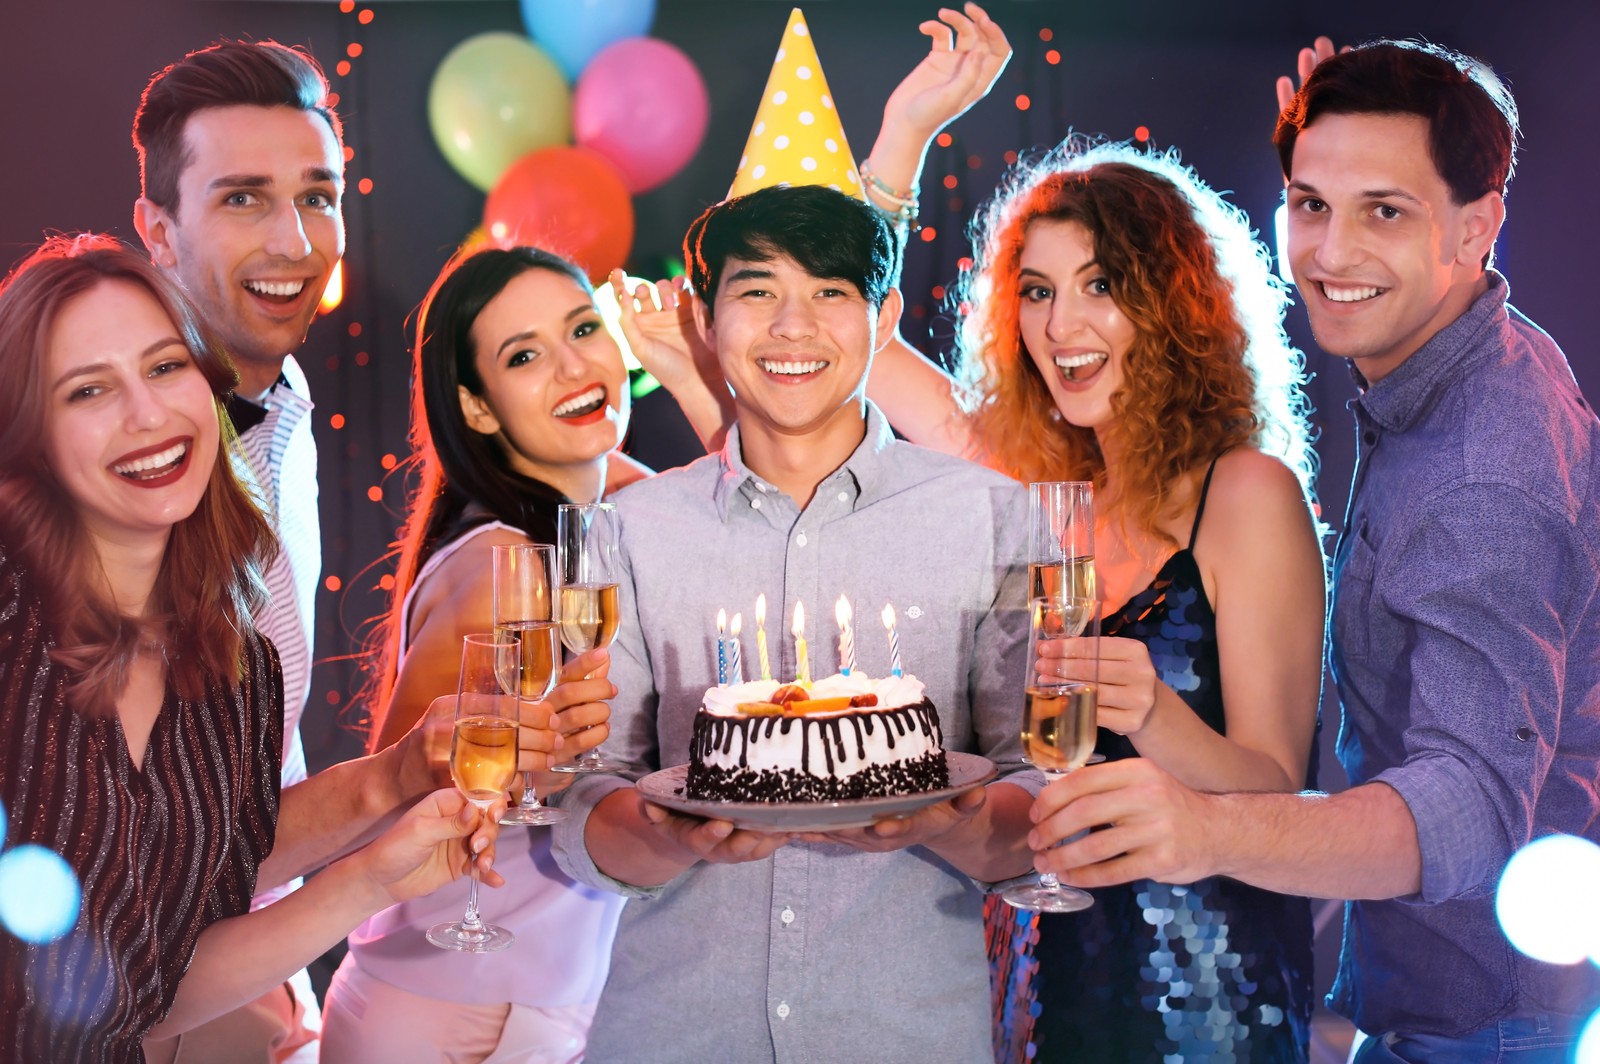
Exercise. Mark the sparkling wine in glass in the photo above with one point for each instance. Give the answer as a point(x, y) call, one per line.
point(1058, 727)
point(524, 600)
point(1061, 539)
point(588, 539)
point(483, 763)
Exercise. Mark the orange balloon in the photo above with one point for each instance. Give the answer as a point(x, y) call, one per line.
point(567, 200)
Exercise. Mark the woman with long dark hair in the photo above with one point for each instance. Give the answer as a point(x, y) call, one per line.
point(520, 400)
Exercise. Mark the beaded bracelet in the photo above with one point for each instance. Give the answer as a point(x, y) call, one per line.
point(905, 212)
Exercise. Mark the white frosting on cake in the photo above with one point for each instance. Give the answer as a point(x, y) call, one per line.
point(823, 743)
point(892, 692)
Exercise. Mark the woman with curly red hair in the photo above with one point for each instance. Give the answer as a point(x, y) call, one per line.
point(1122, 326)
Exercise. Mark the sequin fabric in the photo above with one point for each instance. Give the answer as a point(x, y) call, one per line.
point(161, 850)
point(1212, 973)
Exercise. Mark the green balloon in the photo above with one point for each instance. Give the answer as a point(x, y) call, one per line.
point(495, 98)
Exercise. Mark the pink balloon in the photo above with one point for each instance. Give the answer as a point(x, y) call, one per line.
point(642, 104)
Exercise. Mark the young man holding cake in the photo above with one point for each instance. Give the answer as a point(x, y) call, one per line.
point(748, 946)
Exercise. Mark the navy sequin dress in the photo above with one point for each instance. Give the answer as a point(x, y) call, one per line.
point(1210, 973)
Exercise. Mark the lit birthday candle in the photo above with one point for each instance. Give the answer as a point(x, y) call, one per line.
point(847, 637)
point(894, 642)
point(735, 656)
point(802, 660)
point(722, 649)
point(761, 636)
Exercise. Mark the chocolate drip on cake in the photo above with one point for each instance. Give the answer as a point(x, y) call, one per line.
point(715, 735)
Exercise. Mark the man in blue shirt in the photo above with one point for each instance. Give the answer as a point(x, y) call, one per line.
point(1464, 637)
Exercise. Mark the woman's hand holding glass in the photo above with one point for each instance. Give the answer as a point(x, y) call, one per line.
point(588, 541)
point(428, 847)
point(572, 719)
point(1058, 727)
point(1125, 678)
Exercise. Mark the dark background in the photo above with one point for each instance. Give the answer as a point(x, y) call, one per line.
point(1198, 76)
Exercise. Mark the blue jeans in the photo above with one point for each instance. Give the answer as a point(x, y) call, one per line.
point(1523, 1040)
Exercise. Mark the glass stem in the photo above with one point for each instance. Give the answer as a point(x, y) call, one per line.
point(530, 800)
point(471, 921)
point(1048, 880)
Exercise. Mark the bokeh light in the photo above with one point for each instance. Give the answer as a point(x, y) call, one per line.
point(2, 825)
point(39, 894)
point(1545, 901)
point(1588, 1048)
point(1280, 238)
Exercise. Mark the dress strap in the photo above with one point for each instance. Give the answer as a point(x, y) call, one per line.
point(1199, 511)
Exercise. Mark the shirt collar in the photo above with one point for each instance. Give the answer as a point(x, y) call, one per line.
point(1399, 399)
point(867, 465)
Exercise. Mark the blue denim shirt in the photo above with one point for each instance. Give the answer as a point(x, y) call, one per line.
point(1465, 642)
point(820, 952)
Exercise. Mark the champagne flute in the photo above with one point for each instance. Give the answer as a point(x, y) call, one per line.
point(588, 536)
point(524, 596)
point(1061, 539)
point(483, 762)
point(1058, 728)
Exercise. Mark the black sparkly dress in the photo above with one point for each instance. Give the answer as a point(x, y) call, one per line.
point(1209, 973)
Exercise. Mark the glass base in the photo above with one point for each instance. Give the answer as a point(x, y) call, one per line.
point(597, 763)
point(1036, 897)
point(484, 938)
point(533, 815)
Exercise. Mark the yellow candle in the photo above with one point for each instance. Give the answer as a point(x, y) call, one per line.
point(761, 636)
point(803, 663)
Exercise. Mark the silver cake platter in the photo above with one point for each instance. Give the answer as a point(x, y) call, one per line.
point(665, 788)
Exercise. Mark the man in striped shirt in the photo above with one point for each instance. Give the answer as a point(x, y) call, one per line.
point(241, 165)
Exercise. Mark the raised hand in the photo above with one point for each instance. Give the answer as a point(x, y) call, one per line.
point(1321, 48)
point(969, 50)
point(659, 324)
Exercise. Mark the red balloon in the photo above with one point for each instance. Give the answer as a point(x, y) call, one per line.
point(567, 200)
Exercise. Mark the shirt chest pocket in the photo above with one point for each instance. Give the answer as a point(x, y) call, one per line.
point(1353, 594)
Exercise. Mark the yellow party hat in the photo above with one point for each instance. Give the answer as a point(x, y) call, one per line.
point(797, 138)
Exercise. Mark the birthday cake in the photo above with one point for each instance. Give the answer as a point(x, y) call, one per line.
point(844, 737)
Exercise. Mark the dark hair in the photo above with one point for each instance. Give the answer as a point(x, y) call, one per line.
point(210, 581)
point(1472, 119)
point(227, 74)
point(826, 232)
point(1210, 367)
point(463, 477)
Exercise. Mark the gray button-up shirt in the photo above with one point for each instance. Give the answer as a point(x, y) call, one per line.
point(820, 952)
point(1466, 647)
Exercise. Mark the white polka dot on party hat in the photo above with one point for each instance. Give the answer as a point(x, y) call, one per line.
point(759, 172)
point(761, 127)
point(779, 57)
point(830, 144)
point(803, 73)
point(808, 163)
point(806, 118)
point(780, 96)
point(780, 141)
point(799, 29)
point(827, 101)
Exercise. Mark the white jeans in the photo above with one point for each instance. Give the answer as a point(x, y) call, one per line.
point(368, 1021)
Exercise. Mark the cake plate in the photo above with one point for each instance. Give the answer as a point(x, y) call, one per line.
point(665, 788)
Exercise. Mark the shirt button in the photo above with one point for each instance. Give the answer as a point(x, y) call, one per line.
point(783, 1010)
point(844, 496)
point(787, 916)
point(755, 504)
point(1369, 437)
point(1524, 733)
point(800, 540)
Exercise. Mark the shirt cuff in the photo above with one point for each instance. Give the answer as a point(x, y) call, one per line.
point(567, 841)
point(1459, 832)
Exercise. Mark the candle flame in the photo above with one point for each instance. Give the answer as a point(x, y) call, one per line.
point(799, 628)
point(738, 622)
point(722, 621)
point(888, 617)
point(761, 609)
point(841, 611)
